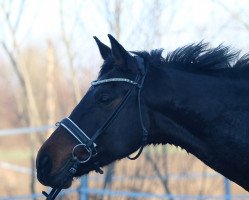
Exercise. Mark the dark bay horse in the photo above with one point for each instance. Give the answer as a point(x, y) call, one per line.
point(196, 98)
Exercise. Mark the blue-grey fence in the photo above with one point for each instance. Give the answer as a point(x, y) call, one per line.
point(84, 191)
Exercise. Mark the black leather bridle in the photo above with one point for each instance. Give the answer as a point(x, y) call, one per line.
point(88, 144)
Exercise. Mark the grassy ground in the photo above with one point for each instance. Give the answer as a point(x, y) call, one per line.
point(15, 155)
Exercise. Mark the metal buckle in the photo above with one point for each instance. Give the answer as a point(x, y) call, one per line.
point(85, 149)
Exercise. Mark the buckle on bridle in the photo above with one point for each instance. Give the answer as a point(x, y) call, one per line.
point(85, 149)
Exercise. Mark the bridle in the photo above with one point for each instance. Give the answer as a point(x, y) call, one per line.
point(88, 144)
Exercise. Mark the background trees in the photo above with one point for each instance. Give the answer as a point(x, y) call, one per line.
point(48, 57)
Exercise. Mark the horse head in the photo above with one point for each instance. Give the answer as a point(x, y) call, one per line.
point(106, 125)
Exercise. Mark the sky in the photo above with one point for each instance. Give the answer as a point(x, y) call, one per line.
point(182, 22)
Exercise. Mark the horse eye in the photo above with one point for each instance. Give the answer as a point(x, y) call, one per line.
point(104, 98)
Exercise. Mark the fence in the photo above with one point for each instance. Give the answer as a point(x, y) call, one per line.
point(88, 187)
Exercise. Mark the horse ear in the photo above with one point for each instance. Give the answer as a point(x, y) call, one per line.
point(104, 50)
point(121, 56)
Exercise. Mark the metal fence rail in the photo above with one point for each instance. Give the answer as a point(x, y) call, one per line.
point(84, 191)
point(129, 194)
point(26, 130)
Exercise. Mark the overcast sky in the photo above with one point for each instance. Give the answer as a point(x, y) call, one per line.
point(182, 22)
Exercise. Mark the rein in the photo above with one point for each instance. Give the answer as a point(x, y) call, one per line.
point(88, 144)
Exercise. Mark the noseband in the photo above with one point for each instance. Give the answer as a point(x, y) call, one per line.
point(88, 144)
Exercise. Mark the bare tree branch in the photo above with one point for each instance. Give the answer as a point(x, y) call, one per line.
point(163, 180)
point(70, 57)
point(14, 64)
point(235, 15)
point(19, 15)
point(30, 111)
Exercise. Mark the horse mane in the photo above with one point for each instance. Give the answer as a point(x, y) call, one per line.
point(199, 59)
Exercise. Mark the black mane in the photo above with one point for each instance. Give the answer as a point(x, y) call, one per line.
point(199, 59)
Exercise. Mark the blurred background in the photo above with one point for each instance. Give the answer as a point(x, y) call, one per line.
point(47, 60)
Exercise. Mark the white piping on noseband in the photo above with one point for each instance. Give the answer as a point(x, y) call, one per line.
point(72, 133)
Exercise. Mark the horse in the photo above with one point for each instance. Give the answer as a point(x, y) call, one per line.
point(196, 97)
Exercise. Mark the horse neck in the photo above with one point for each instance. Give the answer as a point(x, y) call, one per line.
point(196, 112)
point(176, 104)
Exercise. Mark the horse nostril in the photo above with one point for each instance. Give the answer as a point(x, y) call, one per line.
point(44, 163)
